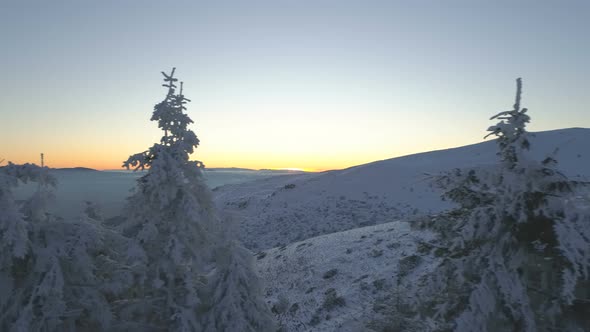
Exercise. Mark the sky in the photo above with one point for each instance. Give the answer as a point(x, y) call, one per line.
point(313, 85)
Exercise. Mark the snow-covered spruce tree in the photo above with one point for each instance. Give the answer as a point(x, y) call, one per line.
point(48, 266)
point(194, 277)
point(511, 132)
point(517, 254)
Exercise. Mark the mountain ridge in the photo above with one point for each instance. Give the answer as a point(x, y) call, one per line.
point(280, 210)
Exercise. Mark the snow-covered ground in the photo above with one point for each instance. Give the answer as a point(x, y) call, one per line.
point(284, 209)
point(337, 282)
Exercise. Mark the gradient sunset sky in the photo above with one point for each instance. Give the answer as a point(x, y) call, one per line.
point(303, 84)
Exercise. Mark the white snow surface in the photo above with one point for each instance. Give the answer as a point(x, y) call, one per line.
point(361, 265)
point(284, 209)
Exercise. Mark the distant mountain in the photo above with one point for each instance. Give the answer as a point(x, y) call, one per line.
point(282, 170)
point(77, 169)
point(239, 169)
point(236, 169)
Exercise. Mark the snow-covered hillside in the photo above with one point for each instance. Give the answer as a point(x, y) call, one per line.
point(324, 269)
point(284, 209)
point(343, 281)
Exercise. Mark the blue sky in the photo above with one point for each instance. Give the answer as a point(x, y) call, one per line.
point(277, 84)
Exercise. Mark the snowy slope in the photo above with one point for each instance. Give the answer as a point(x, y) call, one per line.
point(342, 281)
point(281, 210)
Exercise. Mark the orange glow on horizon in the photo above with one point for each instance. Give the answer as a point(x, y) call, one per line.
point(101, 158)
point(110, 164)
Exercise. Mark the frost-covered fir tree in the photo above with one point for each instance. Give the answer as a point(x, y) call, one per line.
point(511, 131)
point(235, 293)
point(518, 248)
point(194, 277)
point(55, 275)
